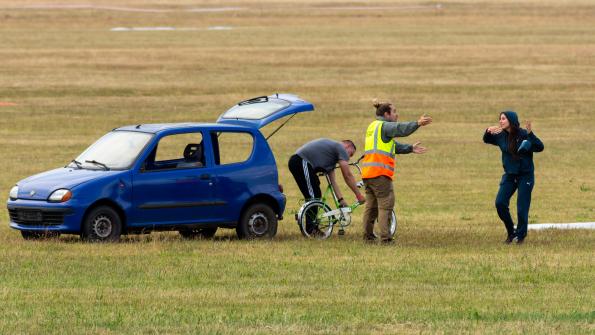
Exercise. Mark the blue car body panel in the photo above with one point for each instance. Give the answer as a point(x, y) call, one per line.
point(44, 183)
point(212, 194)
point(111, 186)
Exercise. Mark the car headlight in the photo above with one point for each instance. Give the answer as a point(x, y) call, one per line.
point(60, 195)
point(14, 193)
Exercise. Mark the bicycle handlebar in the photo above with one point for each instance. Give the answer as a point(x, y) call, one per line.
point(358, 160)
point(356, 164)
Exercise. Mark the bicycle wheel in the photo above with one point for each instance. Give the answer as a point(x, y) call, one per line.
point(392, 229)
point(312, 221)
point(393, 224)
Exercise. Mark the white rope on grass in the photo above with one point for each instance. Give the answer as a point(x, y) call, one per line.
point(577, 225)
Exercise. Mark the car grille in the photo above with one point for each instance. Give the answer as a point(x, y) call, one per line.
point(35, 216)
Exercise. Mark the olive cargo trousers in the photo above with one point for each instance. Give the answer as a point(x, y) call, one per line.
point(380, 201)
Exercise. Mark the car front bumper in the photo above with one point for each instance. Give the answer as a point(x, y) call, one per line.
point(33, 215)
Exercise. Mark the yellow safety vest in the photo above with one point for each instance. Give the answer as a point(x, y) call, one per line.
point(379, 156)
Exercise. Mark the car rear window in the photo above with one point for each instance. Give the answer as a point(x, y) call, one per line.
point(232, 147)
point(256, 110)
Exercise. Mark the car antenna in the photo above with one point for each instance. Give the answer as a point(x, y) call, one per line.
point(138, 126)
point(281, 126)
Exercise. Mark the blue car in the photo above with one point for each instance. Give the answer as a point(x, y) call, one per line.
point(189, 177)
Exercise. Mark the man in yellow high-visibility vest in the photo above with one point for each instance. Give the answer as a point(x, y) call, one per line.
point(378, 165)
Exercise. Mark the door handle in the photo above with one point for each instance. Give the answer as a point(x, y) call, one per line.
point(205, 176)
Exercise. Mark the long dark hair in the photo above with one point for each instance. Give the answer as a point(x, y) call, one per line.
point(513, 135)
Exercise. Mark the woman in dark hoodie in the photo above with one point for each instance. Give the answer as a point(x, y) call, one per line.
point(517, 146)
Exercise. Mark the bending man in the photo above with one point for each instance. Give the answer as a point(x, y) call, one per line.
point(322, 155)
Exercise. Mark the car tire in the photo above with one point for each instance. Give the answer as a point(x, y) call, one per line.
point(258, 221)
point(202, 233)
point(102, 224)
point(39, 235)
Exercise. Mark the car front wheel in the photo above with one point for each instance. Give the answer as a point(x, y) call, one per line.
point(258, 221)
point(102, 224)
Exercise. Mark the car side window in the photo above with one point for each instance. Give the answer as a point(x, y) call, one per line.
point(178, 151)
point(231, 147)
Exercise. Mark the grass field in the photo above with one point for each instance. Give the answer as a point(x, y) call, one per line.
point(66, 79)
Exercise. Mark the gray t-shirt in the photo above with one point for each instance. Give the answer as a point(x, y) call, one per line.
point(323, 154)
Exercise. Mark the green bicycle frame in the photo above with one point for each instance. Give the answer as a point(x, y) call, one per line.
point(329, 192)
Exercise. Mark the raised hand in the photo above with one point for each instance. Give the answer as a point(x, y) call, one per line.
point(418, 149)
point(424, 120)
point(528, 127)
point(494, 130)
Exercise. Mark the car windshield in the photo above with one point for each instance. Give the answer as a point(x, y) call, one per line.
point(116, 150)
point(255, 110)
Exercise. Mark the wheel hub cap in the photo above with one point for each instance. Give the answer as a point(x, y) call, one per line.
point(258, 224)
point(102, 226)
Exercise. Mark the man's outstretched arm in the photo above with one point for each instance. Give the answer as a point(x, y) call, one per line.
point(349, 180)
point(416, 148)
point(402, 129)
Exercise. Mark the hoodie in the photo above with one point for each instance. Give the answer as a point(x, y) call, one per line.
point(512, 118)
point(390, 130)
point(524, 163)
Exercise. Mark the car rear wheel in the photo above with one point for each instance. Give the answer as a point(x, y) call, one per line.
point(102, 224)
point(39, 235)
point(198, 233)
point(258, 221)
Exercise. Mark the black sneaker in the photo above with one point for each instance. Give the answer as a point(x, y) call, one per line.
point(313, 231)
point(316, 232)
point(369, 238)
point(520, 240)
point(509, 239)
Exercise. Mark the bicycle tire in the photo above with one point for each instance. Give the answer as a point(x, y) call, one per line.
point(319, 227)
point(392, 229)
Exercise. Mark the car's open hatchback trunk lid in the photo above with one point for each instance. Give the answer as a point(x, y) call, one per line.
point(260, 111)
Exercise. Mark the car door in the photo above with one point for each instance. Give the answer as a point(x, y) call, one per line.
point(236, 170)
point(175, 185)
